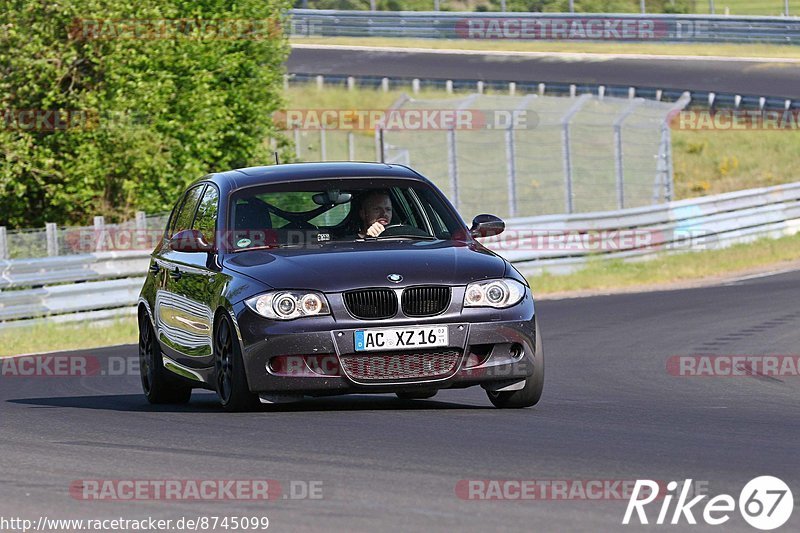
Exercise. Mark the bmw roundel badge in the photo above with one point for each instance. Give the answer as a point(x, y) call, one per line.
point(395, 278)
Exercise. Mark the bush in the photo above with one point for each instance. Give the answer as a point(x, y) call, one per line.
point(161, 112)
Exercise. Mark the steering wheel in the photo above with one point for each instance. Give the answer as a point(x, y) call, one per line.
point(401, 229)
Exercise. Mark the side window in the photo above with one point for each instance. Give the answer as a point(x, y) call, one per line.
point(186, 213)
point(206, 218)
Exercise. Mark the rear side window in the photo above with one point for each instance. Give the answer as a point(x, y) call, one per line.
point(183, 220)
point(206, 218)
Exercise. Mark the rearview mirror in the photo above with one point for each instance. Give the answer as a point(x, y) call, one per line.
point(331, 197)
point(486, 226)
point(190, 240)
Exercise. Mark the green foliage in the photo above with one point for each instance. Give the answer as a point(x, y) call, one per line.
point(165, 111)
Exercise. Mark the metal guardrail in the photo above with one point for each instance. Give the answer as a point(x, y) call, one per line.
point(106, 284)
point(545, 26)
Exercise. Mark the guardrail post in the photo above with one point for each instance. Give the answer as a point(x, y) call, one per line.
point(3, 243)
point(385, 84)
point(320, 82)
point(448, 86)
point(415, 85)
point(351, 83)
point(323, 145)
point(479, 87)
point(452, 166)
point(567, 149)
point(285, 82)
point(51, 231)
point(541, 89)
point(99, 233)
point(512, 88)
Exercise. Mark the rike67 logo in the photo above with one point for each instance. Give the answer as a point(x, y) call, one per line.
point(765, 503)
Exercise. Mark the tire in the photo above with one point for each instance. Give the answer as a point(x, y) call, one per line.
point(157, 385)
point(416, 395)
point(229, 375)
point(529, 395)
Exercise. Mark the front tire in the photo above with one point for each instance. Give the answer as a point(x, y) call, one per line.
point(156, 383)
point(231, 379)
point(529, 395)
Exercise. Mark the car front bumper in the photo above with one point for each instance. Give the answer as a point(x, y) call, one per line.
point(494, 348)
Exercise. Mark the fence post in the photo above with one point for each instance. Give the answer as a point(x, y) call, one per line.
point(567, 149)
point(99, 232)
point(351, 146)
point(380, 151)
point(618, 159)
point(141, 221)
point(51, 231)
point(323, 145)
point(512, 171)
point(452, 165)
point(297, 143)
point(3, 243)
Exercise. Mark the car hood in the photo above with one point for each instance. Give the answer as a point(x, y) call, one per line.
point(335, 267)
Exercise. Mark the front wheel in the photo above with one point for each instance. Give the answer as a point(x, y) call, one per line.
point(529, 395)
point(231, 380)
point(156, 383)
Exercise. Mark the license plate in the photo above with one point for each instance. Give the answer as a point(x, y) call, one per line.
point(400, 338)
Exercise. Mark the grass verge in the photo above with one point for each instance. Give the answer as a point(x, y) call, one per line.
point(679, 49)
point(51, 337)
point(674, 268)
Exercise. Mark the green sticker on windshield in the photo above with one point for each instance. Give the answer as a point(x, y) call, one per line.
point(243, 243)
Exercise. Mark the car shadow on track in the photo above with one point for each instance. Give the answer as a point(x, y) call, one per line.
point(207, 403)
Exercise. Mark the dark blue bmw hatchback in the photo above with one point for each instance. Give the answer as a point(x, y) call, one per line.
point(275, 283)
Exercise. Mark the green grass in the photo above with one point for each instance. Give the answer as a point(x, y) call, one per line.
point(46, 337)
point(666, 269)
point(684, 49)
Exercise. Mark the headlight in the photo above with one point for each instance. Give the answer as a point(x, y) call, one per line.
point(286, 305)
point(497, 293)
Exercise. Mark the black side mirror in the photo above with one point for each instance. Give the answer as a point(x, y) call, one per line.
point(190, 240)
point(486, 226)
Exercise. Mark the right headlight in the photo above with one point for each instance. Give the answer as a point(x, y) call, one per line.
point(287, 305)
point(497, 293)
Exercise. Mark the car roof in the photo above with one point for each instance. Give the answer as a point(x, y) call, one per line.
point(232, 180)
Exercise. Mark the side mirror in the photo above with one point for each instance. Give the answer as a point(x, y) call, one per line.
point(190, 240)
point(486, 226)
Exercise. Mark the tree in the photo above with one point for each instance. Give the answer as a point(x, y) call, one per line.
point(109, 106)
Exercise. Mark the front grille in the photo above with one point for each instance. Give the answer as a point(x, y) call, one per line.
point(371, 303)
point(400, 366)
point(425, 301)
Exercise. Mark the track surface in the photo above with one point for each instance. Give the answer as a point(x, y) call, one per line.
point(610, 411)
point(739, 77)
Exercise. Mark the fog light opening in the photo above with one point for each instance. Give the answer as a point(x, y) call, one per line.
point(516, 351)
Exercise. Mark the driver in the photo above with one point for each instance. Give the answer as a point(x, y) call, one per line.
point(375, 213)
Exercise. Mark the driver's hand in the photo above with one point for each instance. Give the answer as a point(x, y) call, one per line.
point(375, 229)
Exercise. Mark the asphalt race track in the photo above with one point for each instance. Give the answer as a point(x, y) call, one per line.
point(758, 78)
point(610, 411)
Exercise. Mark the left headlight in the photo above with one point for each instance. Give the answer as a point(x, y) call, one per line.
point(287, 305)
point(497, 293)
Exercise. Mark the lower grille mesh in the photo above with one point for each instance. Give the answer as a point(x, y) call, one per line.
point(400, 365)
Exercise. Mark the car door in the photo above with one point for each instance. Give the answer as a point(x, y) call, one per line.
point(179, 323)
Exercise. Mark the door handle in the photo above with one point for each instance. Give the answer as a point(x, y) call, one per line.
point(175, 274)
point(154, 268)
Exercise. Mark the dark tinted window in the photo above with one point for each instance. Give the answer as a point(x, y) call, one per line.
point(206, 218)
point(186, 213)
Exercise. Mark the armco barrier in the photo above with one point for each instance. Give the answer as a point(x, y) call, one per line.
point(545, 26)
point(45, 289)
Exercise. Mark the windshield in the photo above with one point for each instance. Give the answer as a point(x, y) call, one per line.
point(338, 210)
